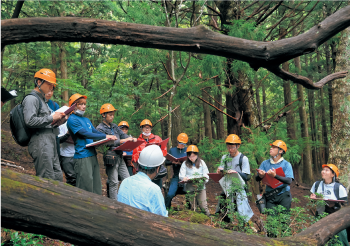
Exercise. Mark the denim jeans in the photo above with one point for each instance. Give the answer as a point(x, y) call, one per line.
point(174, 184)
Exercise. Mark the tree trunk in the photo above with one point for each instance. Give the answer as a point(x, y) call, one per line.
point(83, 64)
point(219, 117)
point(53, 209)
point(54, 57)
point(207, 117)
point(177, 125)
point(63, 68)
point(258, 103)
point(264, 101)
point(340, 144)
point(307, 163)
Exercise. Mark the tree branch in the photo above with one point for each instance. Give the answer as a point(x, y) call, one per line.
point(304, 81)
point(217, 108)
point(166, 115)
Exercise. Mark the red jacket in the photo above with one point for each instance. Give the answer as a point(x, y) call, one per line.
point(152, 139)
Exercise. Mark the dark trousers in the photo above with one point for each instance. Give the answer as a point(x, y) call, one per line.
point(285, 200)
point(67, 165)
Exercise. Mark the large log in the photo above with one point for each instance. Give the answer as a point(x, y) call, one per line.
point(57, 210)
point(196, 39)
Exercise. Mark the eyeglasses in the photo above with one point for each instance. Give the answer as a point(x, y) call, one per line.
point(231, 146)
point(190, 153)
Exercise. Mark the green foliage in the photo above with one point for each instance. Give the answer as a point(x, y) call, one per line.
point(22, 239)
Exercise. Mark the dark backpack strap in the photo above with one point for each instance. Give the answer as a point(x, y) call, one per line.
point(317, 184)
point(336, 190)
point(34, 94)
point(240, 163)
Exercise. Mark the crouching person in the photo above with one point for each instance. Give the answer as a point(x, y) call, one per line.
point(85, 159)
point(138, 190)
point(195, 167)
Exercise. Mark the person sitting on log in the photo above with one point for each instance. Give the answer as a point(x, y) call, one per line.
point(138, 190)
point(124, 126)
point(114, 163)
point(148, 138)
point(331, 189)
point(236, 162)
point(195, 167)
point(280, 195)
point(85, 159)
point(178, 152)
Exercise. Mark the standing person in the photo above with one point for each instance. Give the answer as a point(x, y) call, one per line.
point(138, 190)
point(113, 160)
point(238, 163)
point(281, 194)
point(178, 152)
point(330, 188)
point(52, 105)
point(195, 167)
point(42, 146)
point(124, 126)
point(83, 132)
point(67, 151)
point(147, 137)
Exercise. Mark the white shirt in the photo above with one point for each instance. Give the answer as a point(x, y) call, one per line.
point(67, 149)
point(193, 172)
point(328, 192)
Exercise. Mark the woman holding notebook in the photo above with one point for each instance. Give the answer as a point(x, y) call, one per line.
point(85, 159)
point(195, 167)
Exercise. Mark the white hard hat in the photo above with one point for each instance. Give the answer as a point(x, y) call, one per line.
point(151, 156)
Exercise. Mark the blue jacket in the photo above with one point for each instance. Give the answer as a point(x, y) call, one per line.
point(177, 153)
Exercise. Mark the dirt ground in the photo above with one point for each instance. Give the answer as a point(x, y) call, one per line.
point(19, 156)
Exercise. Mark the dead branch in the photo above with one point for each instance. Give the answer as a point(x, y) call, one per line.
point(278, 112)
point(163, 94)
point(166, 115)
point(138, 109)
point(217, 108)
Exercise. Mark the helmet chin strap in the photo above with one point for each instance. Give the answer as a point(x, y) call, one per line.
point(42, 82)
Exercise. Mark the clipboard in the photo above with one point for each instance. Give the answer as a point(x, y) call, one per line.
point(7, 95)
point(174, 159)
point(216, 176)
point(129, 146)
point(162, 144)
point(273, 182)
point(66, 111)
point(98, 143)
point(192, 180)
point(329, 200)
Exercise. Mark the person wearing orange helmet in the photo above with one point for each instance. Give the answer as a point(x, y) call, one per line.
point(124, 126)
point(148, 138)
point(114, 163)
point(37, 116)
point(195, 167)
point(329, 188)
point(178, 152)
point(85, 159)
point(280, 195)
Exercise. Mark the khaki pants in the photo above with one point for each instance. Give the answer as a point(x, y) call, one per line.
point(88, 174)
point(201, 199)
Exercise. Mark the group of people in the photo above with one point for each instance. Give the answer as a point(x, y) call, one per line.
point(142, 170)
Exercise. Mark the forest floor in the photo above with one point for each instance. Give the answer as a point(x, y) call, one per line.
point(19, 156)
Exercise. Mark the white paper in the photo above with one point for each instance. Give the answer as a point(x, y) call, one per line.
point(226, 181)
point(61, 109)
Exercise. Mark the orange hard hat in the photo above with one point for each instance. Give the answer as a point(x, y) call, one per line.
point(146, 122)
point(47, 75)
point(332, 167)
point(107, 108)
point(192, 148)
point(123, 123)
point(75, 97)
point(280, 144)
point(233, 139)
point(182, 138)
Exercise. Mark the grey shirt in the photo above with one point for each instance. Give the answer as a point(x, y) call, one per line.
point(234, 164)
point(112, 130)
point(32, 117)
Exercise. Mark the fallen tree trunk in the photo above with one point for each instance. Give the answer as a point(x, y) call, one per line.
point(57, 210)
point(196, 39)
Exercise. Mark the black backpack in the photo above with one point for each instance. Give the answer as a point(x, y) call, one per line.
point(20, 132)
point(249, 176)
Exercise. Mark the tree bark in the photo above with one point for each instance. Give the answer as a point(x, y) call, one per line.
point(196, 39)
point(64, 70)
point(264, 101)
point(219, 117)
point(340, 144)
point(307, 163)
point(83, 64)
point(54, 57)
point(18, 8)
point(56, 210)
point(207, 118)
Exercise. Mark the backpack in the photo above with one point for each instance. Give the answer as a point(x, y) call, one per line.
point(249, 176)
point(336, 188)
point(19, 130)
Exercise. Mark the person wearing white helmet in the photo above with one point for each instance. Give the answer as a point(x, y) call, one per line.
point(139, 191)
